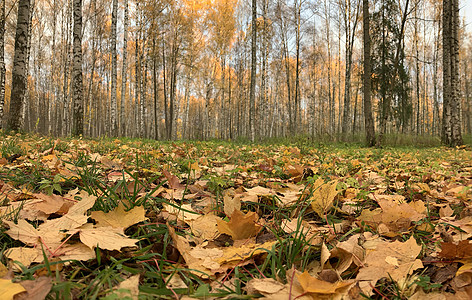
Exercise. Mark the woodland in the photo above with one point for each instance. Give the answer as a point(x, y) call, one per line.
point(225, 149)
point(331, 70)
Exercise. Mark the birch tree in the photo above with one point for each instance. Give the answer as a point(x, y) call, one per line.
point(114, 71)
point(2, 59)
point(19, 80)
point(124, 69)
point(252, 95)
point(77, 80)
point(451, 131)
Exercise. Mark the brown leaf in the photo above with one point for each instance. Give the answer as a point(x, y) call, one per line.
point(173, 181)
point(36, 289)
point(241, 226)
point(458, 251)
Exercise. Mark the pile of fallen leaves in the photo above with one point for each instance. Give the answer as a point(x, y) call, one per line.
point(112, 219)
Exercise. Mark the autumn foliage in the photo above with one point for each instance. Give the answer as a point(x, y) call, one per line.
point(112, 219)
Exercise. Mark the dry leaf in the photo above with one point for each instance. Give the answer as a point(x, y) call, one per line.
point(75, 218)
point(105, 238)
point(8, 289)
point(241, 226)
point(231, 204)
point(119, 218)
point(323, 197)
point(264, 286)
point(174, 281)
point(388, 259)
point(3, 270)
point(36, 289)
point(173, 181)
point(205, 227)
point(129, 288)
point(311, 284)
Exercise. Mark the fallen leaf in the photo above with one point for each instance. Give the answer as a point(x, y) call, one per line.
point(461, 250)
point(205, 227)
point(173, 181)
point(129, 288)
point(119, 218)
point(8, 289)
point(311, 284)
point(174, 281)
point(108, 238)
point(231, 204)
point(36, 289)
point(264, 286)
point(323, 198)
point(396, 260)
point(3, 270)
point(75, 218)
point(241, 226)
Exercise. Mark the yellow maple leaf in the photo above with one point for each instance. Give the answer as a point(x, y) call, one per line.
point(8, 289)
point(241, 226)
point(311, 284)
point(323, 197)
point(3, 270)
point(119, 218)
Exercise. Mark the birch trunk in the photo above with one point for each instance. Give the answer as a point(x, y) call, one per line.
point(124, 69)
point(19, 80)
point(252, 95)
point(2, 60)
point(77, 80)
point(113, 108)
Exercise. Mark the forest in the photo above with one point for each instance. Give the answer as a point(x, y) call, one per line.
point(225, 149)
point(236, 69)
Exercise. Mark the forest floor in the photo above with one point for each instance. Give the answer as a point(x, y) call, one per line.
point(140, 219)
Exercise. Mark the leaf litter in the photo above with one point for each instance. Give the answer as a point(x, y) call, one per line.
point(219, 220)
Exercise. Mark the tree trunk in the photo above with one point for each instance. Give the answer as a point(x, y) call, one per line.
point(368, 118)
point(350, 38)
point(297, 117)
point(2, 60)
point(19, 80)
point(124, 70)
point(252, 95)
point(114, 71)
point(451, 129)
point(77, 81)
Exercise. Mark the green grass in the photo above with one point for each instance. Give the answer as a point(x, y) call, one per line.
point(156, 259)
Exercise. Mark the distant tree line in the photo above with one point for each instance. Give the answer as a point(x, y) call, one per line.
point(185, 69)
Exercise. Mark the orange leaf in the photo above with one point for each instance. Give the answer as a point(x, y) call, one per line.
point(311, 284)
point(241, 226)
